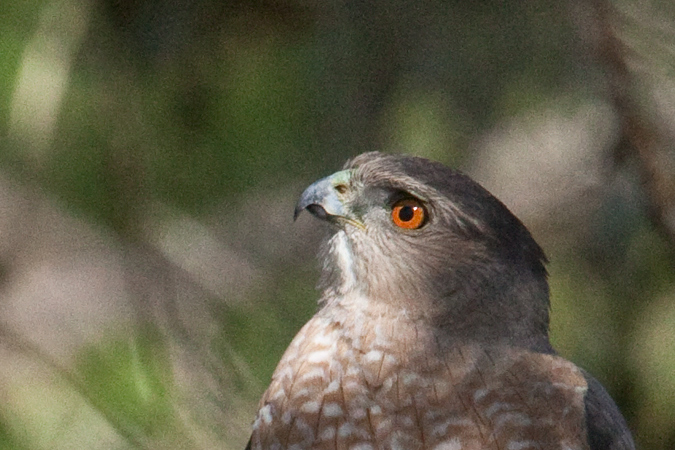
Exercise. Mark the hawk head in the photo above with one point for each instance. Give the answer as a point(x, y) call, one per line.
point(415, 237)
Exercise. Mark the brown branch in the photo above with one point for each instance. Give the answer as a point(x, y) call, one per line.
point(641, 140)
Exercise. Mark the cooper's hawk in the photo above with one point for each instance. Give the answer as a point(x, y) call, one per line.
point(432, 328)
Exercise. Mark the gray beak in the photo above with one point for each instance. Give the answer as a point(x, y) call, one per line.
point(321, 198)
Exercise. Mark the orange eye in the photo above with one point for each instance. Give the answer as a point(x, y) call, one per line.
point(409, 213)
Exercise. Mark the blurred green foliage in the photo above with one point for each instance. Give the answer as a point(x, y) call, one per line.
point(260, 332)
point(130, 379)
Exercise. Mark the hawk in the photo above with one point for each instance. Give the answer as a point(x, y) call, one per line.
point(432, 327)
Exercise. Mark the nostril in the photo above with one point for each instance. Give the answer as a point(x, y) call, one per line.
point(317, 211)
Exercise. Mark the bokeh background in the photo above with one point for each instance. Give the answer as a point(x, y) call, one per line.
point(151, 154)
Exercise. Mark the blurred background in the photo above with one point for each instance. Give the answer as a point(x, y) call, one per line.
point(152, 152)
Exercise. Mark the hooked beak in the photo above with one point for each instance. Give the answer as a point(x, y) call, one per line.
point(323, 200)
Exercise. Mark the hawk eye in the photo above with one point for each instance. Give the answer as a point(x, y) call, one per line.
point(409, 213)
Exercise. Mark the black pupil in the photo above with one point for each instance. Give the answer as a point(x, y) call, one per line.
point(406, 213)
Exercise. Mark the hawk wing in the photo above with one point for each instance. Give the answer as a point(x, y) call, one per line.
point(607, 429)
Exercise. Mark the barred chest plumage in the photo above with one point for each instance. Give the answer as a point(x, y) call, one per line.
point(372, 383)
